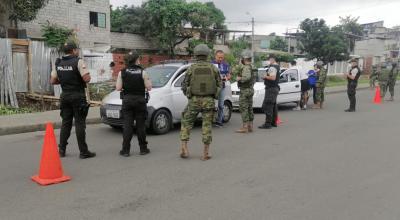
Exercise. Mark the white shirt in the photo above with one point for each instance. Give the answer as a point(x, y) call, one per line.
point(303, 74)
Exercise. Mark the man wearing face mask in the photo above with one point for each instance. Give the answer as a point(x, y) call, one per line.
point(352, 81)
point(225, 73)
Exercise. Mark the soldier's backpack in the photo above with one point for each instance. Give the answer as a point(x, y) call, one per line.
point(202, 82)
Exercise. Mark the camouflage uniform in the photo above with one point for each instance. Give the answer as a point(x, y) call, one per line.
point(384, 82)
point(374, 76)
point(394, 72)
point(199, 104)
point(246, 94)
point(321, 83)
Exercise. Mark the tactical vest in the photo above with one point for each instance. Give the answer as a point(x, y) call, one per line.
point(273, 83)
point(132, 81)
point(252, 81)
point(357, 76)
point(68, 74)
point(202, 82)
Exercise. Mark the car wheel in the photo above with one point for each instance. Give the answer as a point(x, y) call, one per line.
point(227, 111)
point(161, 122)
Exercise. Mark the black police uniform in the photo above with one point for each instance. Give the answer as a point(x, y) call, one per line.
point(73, 103)
point(352, 87)
point(271, 93)
point(134, 108)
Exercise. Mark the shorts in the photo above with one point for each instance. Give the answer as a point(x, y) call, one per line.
point(305, 86)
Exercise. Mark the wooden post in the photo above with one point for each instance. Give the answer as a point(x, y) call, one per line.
point(29, 56)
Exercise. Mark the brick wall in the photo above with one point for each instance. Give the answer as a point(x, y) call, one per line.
point(147, 60)
point(73, 15)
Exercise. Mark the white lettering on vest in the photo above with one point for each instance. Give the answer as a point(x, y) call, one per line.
point(64, 68)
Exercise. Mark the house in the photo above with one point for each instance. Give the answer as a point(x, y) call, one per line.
point(90, 19)
point(380, 44)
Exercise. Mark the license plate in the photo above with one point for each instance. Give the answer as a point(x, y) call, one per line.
point(113, 114)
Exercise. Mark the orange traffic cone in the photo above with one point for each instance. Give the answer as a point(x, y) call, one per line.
point(50, 171)
point(278, 120)
point(377, 98)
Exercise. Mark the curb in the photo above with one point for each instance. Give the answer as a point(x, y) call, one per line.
point(39, 127)
point(345, 90)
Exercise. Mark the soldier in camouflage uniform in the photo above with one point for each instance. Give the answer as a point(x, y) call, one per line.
point(394, 72)
point(384, 80)
point(201, 86)
point(376, 71)
point(320, 85)
point(246, 79)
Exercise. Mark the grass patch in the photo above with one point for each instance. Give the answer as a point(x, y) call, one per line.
point(6, 110)
point(341, 81)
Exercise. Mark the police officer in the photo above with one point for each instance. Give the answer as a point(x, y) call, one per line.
point(201, 86)
point(320, 85)
point(271, 81)
point(72, 74)
point(133, 82)
point(352, 81)
point(246, 80)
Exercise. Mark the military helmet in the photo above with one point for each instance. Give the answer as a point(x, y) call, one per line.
point(246, 54)
point(202, 50)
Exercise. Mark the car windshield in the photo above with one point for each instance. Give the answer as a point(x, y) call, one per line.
point(160, 75)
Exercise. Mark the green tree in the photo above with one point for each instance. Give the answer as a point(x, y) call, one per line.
point(168, 23)
point(351, 28)
point(23, 10)
point(127, 19)
point(321, 43)
point(278, 43)
point(55, 36)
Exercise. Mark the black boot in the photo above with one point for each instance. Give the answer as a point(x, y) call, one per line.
point(265, 126)
point(61, 151)
point(350, 110)
point(87, 155)
point(144, 151)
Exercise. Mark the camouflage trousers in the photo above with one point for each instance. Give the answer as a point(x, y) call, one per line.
point(205, 106)
point(372, 80)
point(246, 104)
point(387, 85)
point(320, 93)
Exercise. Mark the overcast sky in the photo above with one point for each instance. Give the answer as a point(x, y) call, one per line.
point(278, 15)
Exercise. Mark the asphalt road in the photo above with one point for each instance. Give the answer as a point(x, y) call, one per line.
point(319, 165)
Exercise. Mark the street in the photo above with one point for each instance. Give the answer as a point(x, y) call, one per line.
point(318, 165)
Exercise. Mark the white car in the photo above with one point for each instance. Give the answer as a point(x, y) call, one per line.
point(289, 83)
point(167, 100)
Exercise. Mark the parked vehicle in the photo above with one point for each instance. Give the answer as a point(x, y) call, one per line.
point(289, 83)
point(167, 100)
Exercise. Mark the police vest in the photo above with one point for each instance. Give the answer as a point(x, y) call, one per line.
point(132, 81)
point(202, 82)
point(273, 83)
point(68, 74)
point(357, 75)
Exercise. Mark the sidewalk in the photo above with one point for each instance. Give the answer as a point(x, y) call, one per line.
point(23, 123)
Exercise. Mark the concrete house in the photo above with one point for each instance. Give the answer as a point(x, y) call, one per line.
point(89, 18)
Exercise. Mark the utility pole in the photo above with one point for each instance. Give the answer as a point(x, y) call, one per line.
point(252, 40)
point(287, 34)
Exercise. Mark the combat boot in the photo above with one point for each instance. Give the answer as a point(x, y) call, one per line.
point(244, 129)
point(206, 155)
point(250, 126)
point(184, 150)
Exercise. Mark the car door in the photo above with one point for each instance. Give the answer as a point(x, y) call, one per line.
point(290, 86)
point(178, 98)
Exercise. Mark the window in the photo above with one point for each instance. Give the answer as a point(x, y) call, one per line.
point(284, 78)
point(293, 75)
point(179, 82)
point(79, 1)
point(97, 19)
